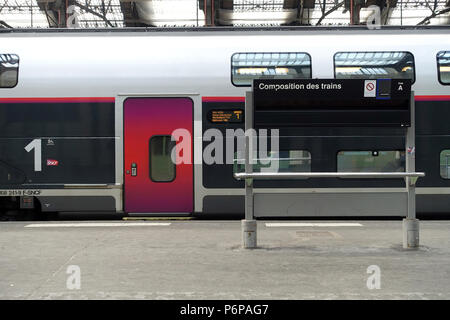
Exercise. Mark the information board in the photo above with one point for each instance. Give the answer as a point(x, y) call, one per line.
point(331, 102)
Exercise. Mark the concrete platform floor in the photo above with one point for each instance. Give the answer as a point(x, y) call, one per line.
point(203, 260)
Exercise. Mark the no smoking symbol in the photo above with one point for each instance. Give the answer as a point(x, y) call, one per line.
point(370, 86)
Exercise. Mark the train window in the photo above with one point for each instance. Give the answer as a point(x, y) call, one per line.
point(443, 61)
point(371, 161)
point(162, 168)
point(246, 66)
point(9, 70)
point(281, 161)
point(374, 65)
point(445, 164)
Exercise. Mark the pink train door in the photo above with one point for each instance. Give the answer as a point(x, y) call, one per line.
point(153, 182)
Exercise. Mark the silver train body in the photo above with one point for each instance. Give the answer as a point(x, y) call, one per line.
point(106, 69)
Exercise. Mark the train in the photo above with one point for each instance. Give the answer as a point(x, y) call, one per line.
point(87, 119)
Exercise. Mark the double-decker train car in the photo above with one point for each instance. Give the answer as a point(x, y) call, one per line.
point(87, 120)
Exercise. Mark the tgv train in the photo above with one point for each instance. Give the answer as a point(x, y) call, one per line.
point(87, 120)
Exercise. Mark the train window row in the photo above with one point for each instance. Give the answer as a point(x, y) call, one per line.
point(9, 70)
point(347, 161)
point(246, 66)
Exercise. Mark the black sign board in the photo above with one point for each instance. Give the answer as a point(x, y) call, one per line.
point(331, 102)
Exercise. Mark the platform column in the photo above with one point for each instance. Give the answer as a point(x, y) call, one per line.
point(248, 225)
point(411, 223)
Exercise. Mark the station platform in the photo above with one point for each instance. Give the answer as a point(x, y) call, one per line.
point(179, 259)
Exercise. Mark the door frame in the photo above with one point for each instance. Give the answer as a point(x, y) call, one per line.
point(120, 148)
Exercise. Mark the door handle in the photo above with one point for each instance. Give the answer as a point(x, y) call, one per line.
point(134, 169)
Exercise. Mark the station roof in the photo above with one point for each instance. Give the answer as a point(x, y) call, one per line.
point(198, 13)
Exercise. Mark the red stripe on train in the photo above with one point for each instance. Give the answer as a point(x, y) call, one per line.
point(204, 99)
point(223, 99)
point(242, 99)
point(56, 100)
point(432, 98)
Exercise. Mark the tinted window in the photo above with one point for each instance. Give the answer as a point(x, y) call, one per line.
point(282, 161)
point(162, 168)
point(443, 61)
point(9, 70)
point(246, 66)
point(374, 65)
point(371, 161)
point(445, 164)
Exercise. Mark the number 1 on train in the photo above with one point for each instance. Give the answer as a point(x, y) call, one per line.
point(37, 146)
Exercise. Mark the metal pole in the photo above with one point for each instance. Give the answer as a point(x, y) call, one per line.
point(411, 224)
point(248, 224)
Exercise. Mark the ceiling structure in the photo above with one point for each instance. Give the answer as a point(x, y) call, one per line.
point(200, 13)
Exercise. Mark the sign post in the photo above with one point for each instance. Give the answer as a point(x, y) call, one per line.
point(248, 225)
point(411, 223)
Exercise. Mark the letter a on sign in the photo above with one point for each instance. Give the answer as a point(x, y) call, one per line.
point(370, 88)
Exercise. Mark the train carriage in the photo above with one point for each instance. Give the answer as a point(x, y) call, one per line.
point(87, 119)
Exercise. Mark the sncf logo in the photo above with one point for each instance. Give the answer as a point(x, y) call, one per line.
point(51, 162)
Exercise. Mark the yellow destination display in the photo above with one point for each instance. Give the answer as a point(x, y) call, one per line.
point(224, 116)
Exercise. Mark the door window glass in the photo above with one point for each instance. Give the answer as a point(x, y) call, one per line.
point(162, 168)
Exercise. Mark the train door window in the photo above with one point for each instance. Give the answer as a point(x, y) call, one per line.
point(162, 168)
point(281, 161)
point(246, 66)
point(371, 161)
point(374, 65)
point(443, 61)
point(9, 70)
point(445, 164)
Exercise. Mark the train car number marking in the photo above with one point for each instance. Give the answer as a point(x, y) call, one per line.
point(15, 193)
